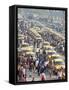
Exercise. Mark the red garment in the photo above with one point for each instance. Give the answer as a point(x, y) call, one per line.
point(43, 77)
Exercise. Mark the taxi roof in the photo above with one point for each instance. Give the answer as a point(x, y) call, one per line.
point(50, 51)
point(59, 60)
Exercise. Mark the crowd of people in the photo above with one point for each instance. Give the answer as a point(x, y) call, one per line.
point(57, 41)
point(28, 66)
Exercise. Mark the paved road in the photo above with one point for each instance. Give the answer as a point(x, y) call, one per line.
point(37, 78)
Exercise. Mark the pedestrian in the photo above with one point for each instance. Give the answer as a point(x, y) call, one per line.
point(23, 73)
point(59, 74)
point(42, 76)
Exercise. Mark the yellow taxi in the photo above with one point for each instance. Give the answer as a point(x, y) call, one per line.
point(26, 47)
point(31, 54)
point(46, 43)
point(54, 56)
point(59, 63)
point(50, 52)
point(48, 47)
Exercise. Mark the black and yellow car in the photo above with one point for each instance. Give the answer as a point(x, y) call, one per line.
point(59, 64)
point(54, 56)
